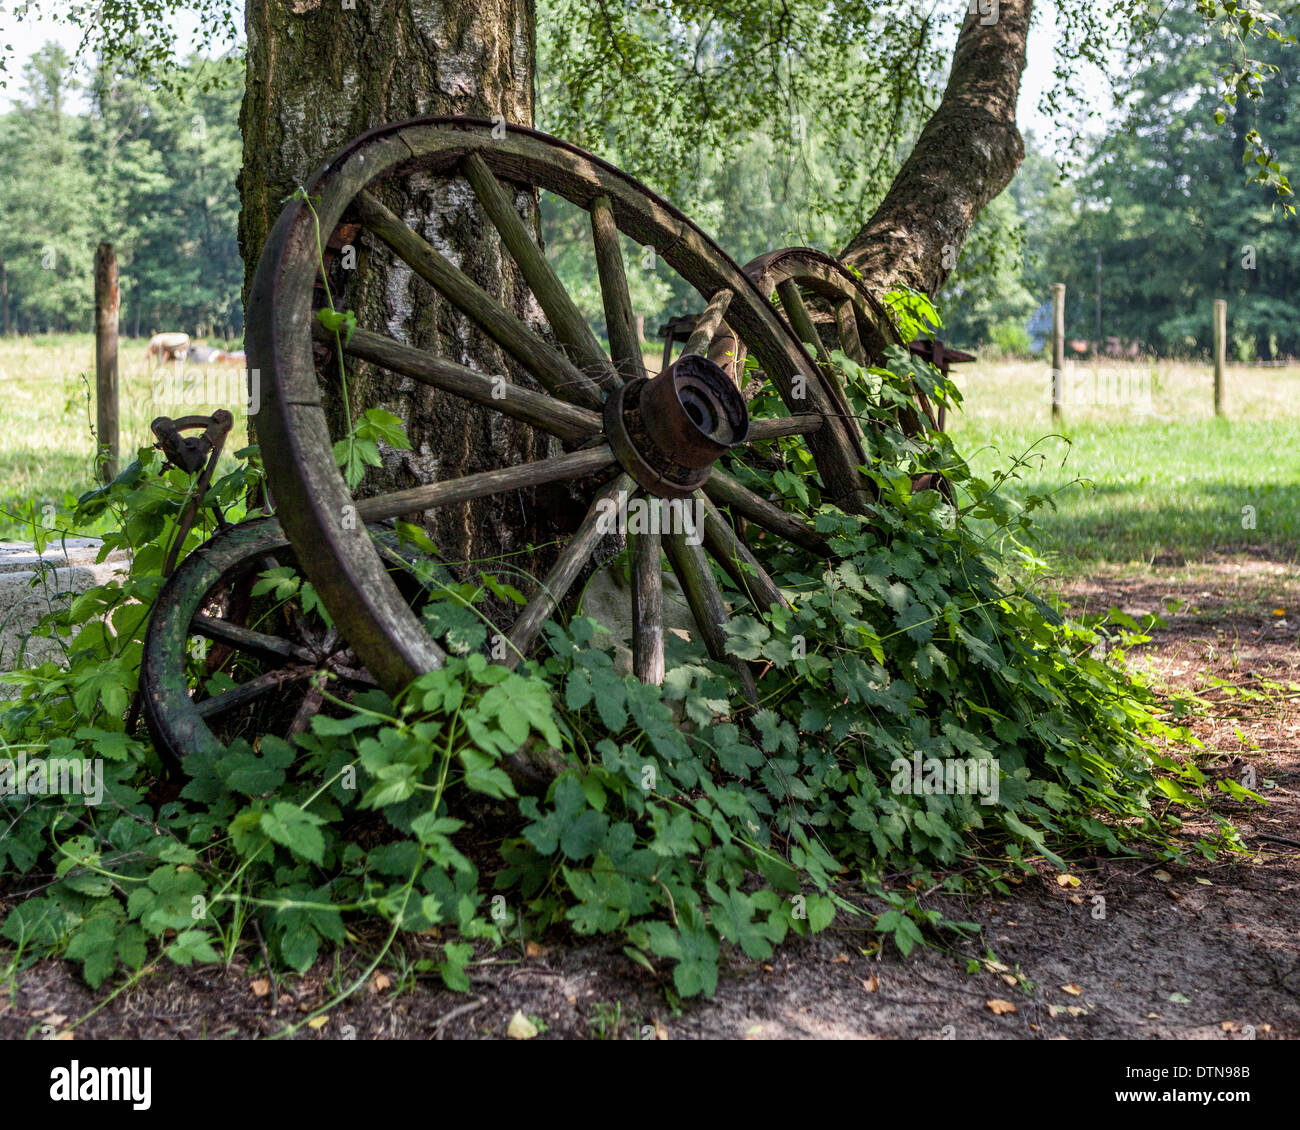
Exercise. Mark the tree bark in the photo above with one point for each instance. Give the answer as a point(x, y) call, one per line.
point(967, 154)
point(319, 72)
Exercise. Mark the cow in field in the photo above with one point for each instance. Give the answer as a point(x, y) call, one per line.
point(167, 347)
point(202, 355)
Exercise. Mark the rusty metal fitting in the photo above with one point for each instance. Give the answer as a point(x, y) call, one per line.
point(668, 431)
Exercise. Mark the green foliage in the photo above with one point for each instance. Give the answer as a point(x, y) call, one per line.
point(693, 829)
point(153, 174)
point(1172, 200)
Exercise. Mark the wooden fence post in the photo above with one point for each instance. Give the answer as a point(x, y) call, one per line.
point(106, 309)
point(1220, 351)
point(1058, 346)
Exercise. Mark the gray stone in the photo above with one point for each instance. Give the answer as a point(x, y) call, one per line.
point(607, 599)
point(34, 584)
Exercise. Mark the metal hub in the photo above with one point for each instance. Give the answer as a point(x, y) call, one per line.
point(668, 431)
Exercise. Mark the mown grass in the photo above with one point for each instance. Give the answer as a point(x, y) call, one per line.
point(47, 415)
point(1139, 469)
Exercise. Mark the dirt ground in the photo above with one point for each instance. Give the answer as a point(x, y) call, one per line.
point(1205, 952)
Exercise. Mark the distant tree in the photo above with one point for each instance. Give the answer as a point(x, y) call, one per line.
point(47, 240)
point(154, 176)
point(1171, 209)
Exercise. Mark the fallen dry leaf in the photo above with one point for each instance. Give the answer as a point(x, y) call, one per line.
point(998, 1007)
point(871, 984)
point(1010, 978)
point(840, 959)
point(1230, 1026)
point(379, 982)
point(520, 1027)
point(1068, 880)
point(754, 1032)
point(1073, 990)
point(1161, 876)
point(261, 987)
point(1075, 1010)
point(995, 966)
point(318, 1023)
point(532, 949)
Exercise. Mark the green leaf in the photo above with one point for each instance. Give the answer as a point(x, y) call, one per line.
point(695, 951)
point(296, 829)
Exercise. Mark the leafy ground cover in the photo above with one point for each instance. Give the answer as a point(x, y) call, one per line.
point(744, 836)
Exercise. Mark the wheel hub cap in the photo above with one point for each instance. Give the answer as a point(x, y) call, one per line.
point(668, 431)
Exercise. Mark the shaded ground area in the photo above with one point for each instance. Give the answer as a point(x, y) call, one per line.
point(1204, 952)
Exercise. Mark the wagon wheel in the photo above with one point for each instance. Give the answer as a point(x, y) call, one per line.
point(627, 437)
point(280, 664)
point(816, 291)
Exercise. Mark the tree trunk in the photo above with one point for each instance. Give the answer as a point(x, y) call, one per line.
point(319, 73)
point(967, 154)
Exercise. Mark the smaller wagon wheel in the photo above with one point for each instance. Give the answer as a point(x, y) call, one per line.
point(816, 292)
point(284, 661)
point(625, 437)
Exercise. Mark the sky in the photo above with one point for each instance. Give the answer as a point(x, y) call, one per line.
point(26, 35)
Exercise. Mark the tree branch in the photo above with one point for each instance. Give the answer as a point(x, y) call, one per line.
point(967, 154)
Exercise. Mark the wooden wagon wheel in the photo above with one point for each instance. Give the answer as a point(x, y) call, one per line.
point(280, 664)
point(815, 290)
point(627, 436)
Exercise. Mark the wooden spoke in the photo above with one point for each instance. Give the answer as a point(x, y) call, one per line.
point(706, 329)
point(729, 353)
point(785, 426)
point(252, 690)
point(602, 519)
point(668, 353)
point(735, 557)
point(800, 320)
point(566, 421)
point(707, 606)
point(575, 465)
point(726, 491)
point(310, 705)
point(624, 346)
point(273, 649)
point(924, 402)
point(846, 325)
point(647, 607)
point(565, 318)
point(560, 375)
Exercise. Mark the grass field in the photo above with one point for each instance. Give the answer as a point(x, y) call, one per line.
point(1139, 468)
point(47, 415)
